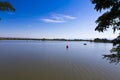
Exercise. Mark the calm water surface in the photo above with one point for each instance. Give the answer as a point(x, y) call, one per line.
point(50, 60)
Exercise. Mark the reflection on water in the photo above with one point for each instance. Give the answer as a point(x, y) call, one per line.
point(113, 58)
point(45, 60)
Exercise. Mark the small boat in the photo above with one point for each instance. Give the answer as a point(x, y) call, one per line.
point(67, 46)
point(84, 44)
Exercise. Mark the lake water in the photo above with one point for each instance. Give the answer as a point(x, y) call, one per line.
point(50, 60)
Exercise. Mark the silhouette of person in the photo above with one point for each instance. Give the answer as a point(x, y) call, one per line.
point(67, 47)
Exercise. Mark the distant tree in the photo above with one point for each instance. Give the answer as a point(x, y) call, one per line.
point(111, 18)
point(6, 6)
point(102, 40)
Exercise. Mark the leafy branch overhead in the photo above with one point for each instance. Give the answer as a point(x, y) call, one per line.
point(6, 6)
point(111, 18)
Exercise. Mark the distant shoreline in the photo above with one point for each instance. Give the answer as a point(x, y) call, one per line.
point(45, 39)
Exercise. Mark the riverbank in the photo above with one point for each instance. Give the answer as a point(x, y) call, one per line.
point(45, 39)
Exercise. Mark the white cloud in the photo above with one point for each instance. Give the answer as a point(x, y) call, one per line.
point(53, 20)
point(64, 16)
point(58, 18)
point(69, 17)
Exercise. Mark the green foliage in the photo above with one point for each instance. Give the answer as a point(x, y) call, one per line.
point(116, 44)
point(111, 18)
point(113, 58)
point(103, 4)
point(116, 41)
point(102, 40)
point(6, 6)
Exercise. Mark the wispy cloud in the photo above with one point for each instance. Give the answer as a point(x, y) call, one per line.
point(64, 16)
point(58, 18)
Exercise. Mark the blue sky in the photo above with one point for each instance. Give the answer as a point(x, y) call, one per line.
point(70, 19)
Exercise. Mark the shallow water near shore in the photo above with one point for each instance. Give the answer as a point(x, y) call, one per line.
point(50, 60)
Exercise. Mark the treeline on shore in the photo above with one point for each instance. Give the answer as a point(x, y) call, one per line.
point(102, 40)
point(45, 39)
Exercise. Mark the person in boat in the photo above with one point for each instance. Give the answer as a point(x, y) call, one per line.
point(67, 46)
